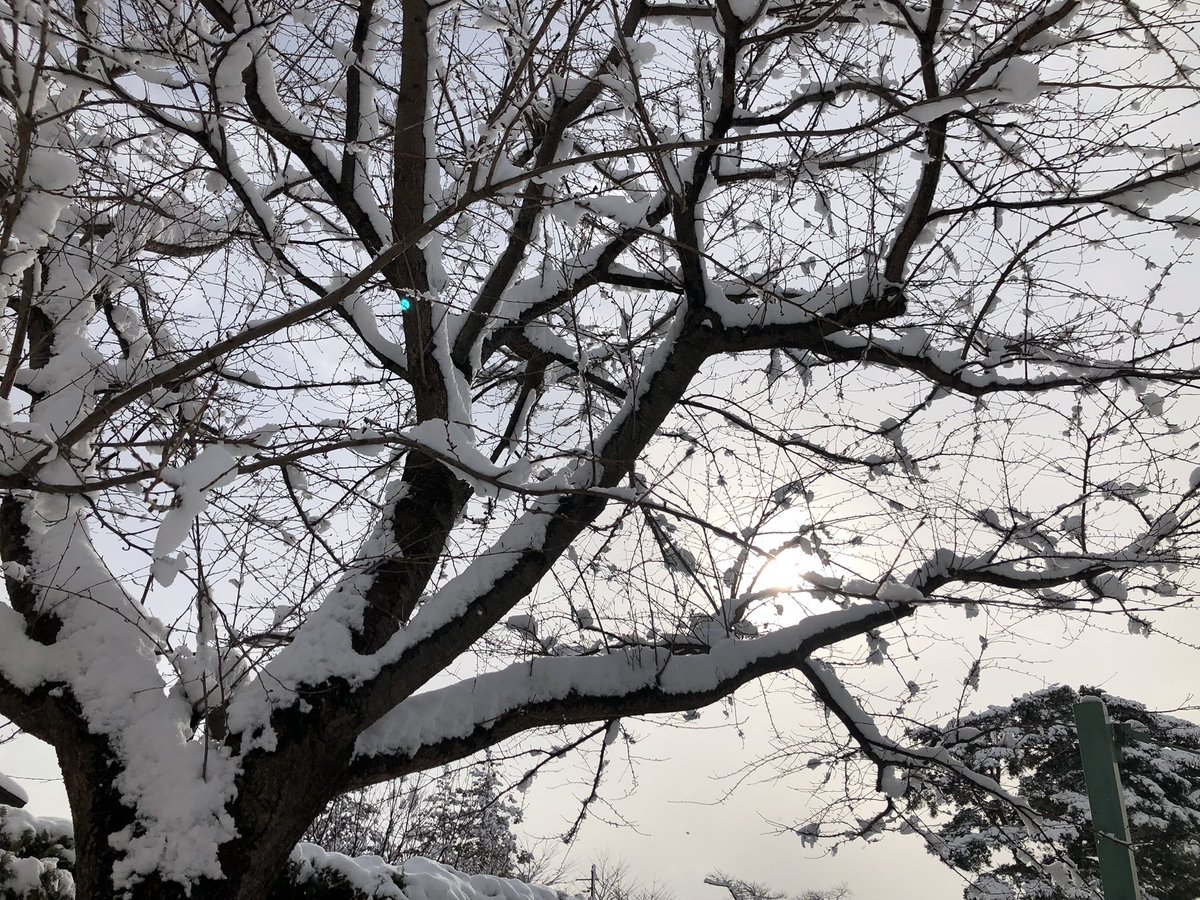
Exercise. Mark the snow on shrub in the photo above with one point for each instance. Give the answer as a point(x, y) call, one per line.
point(37, 854)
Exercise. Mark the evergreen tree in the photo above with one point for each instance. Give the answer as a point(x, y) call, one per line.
point(471, 826)
point(36, 856)
point(1031, 748)
point(457, 821)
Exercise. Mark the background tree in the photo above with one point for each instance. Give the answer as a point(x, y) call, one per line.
point(610, 878)
point(358, 822)
point(741, 889)
point(1031, 748)
point(461, 819)
point(470, 826)
point(384, 382)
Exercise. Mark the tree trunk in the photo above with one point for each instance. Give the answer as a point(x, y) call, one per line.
point(252, 865)
point(271, 812)
point(96, 812)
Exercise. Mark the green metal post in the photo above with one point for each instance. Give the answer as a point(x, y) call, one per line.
point(1118, 871)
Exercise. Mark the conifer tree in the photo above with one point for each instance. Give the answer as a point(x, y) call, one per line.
point(1031, 747)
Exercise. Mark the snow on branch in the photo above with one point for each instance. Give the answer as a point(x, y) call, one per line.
point(561, 690)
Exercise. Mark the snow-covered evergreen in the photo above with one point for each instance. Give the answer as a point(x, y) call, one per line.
point(1047, 850)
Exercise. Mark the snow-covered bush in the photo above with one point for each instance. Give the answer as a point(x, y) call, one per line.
point(37, 854)
point(315, 874)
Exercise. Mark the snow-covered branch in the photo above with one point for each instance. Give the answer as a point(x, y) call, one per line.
point(449, 723)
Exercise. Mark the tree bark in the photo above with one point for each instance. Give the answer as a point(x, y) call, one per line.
point(253, 863)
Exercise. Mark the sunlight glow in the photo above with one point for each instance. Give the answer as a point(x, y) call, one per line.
point(785, 570)
point(785, 574)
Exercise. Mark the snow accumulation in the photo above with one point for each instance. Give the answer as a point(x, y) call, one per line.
point(797, 310)
point(914, 343)
point(48, 174)
point(322, 649)
point(427, 880)
point(363, 315)
point(524, 623)
point(107, 654)
point(622, 210)
point(904, 593)
point(455, 444)
point(935, 109)
point(824, 582)
point(15, 823)
point(746, 10)
point(528, 292)
point(29, 876)
point(893, 781)
point(457, 710)
point(415, 879)
point(215, 467)
point(1015, 80)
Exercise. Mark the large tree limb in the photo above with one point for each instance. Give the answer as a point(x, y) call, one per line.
point(450, 723)
point(948, 370)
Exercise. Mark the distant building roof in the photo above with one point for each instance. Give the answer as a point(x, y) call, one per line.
point(11, 793)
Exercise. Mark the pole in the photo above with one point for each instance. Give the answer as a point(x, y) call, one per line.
point(1101, 773)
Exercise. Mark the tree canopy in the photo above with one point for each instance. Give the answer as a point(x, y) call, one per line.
point(1031, 748)
point(386, 381)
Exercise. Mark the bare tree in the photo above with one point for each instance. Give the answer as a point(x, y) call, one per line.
point(387, 381)
point(611, 879)
point(741, 889)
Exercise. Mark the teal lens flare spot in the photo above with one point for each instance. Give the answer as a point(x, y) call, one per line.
point(405, 304)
